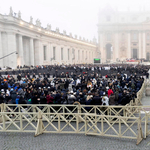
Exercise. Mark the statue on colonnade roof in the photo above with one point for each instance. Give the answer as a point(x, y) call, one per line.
point(11, 12)
point(31, 19)
point(48, 27)
point(19, 15)
point(38, 23)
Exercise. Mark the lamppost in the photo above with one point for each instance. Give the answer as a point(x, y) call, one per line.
point(9, 55)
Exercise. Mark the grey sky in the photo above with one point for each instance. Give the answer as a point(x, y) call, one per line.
point(76, 16)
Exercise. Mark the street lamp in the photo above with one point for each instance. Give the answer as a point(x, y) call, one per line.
point(9, 54)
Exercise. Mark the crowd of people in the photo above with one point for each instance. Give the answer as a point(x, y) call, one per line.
point(86, 84)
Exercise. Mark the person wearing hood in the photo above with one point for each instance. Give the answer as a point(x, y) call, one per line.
point(13, 96)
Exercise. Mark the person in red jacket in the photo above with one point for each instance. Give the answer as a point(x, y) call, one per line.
point(110, 92)
point(49, 99)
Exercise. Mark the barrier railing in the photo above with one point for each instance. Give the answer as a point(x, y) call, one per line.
point(114, 111)
point(88, 124)
point(24, 117)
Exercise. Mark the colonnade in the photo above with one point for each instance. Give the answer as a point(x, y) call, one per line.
point(26, 50)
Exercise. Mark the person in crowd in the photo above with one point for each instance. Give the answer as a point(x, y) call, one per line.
point(65, 84)
point(105, 100)
point(49, 99)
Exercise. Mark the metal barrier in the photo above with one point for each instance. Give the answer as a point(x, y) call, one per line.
point(88, 124)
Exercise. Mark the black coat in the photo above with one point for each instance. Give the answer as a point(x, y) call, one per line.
point(97, 100)
point(13, 96)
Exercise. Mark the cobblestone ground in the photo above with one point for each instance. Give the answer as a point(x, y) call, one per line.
point(27, 141)
point(49, 141)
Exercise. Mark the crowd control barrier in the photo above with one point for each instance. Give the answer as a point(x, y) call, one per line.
point(88, 124)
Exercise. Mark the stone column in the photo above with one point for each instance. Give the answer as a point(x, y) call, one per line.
point(129, 46)
point(71, 56)
point(116, 48)
point(20, 53)
point(1, 51)
point(38, 57)
point(86, 57)
point(140, 52)
point(79, 55)
point(12, 49)
point(83, 56)
point(4, 40)
point(52, 55)
point(58, 54)
point(76, 55)
point(144, 47)
point(90, 57)
point(102, 50)
point(26, 50)
point(49, 53)
point(31, 52)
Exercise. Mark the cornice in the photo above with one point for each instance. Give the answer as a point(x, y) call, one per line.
point(10, 20)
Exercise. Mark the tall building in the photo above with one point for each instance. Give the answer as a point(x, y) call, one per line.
point(123, 35)
point(25, 43)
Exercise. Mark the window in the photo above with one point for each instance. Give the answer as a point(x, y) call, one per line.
point(68, 54)
point(108, 18)
point(44, 52)
point(148, 36)
point(135, 36)
point(54, 53)
point(61, 53)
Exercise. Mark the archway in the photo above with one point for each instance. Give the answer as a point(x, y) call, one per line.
point(148, 56)
point(134, 54)
point(108, 51)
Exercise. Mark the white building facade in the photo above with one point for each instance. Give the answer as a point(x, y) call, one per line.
point(123, 35)
point(24, 43)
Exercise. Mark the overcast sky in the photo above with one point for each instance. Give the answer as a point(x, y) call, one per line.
point(76, 16)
